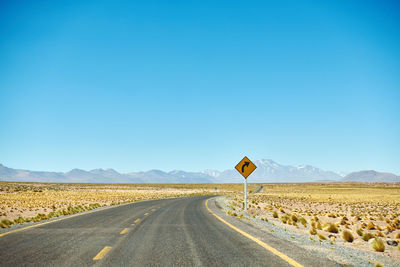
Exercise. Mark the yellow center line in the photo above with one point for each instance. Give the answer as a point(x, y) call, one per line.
point(102, 253)
point(137, 220)
point(124, 231)
point(264, 245)
point(146, 214)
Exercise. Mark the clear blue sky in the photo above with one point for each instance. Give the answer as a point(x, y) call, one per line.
point(138, 85)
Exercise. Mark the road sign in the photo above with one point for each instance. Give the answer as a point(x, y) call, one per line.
point(245, 167)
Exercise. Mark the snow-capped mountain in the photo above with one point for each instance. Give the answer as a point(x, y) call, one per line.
point(267, 171)
point(270, 171)
point(212, 173)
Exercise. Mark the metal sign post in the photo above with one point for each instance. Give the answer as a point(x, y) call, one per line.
point(245, 194)
point(245, 167)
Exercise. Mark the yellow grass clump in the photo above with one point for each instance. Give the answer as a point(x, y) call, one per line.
point(313, 231)
point(371, 226)
point(284, 218)
point(303, 221)
point(378, 245)
point(347, 236)
point(359, 232)
point(331, 227)
point(367, 236)
point(380, 234)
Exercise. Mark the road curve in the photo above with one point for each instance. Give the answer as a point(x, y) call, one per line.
point(169, 232)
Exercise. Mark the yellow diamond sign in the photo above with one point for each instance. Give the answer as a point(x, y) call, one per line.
point(245, 167)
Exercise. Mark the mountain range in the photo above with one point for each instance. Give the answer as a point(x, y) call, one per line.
point(267, 171)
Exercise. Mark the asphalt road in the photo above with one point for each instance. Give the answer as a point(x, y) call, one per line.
point(170, 232)
point(259, 189)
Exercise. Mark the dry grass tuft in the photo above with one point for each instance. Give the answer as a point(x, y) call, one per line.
point(313, 231)
point(347, 236)
point(378, 245)
point(231, 213)
point(331, 227)
point(6, 223)
point(367, 236)
point(371, 226)
point(303, 221)
point(380, 234)
point(359, 232)
point(284, 218)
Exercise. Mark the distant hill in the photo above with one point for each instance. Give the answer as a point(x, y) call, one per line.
point(267, 171)
point(372, 176)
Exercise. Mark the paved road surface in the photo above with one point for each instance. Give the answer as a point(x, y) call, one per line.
point(170, 232)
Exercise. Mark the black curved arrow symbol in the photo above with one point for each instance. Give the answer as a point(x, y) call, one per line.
point(246, 164)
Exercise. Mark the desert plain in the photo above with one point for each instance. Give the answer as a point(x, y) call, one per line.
point(364, 216)
point(26, 202)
